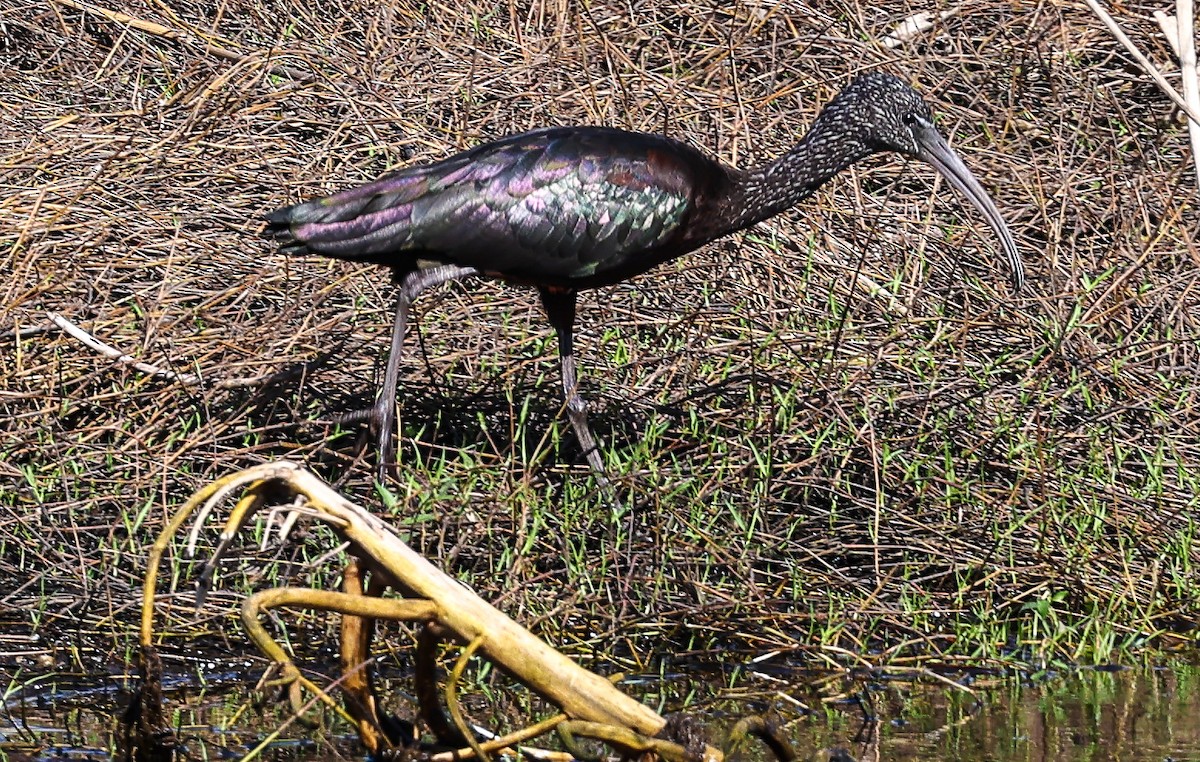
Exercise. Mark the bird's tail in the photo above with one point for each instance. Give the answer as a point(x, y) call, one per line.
point(279, 229)
point(359, 224)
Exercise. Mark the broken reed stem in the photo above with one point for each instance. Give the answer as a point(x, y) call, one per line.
point(1149, 68)
point(1185, 23)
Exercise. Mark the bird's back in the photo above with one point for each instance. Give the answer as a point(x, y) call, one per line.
point(571, 207)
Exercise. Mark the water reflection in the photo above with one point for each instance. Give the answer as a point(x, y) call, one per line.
point(1090, 715)
point(1086, 716)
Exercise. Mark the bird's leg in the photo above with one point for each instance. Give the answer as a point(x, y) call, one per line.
point(560, 309)
point(383, 414)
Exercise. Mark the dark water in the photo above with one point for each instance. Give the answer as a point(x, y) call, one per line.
point(1128, 715)
point(1131, 715)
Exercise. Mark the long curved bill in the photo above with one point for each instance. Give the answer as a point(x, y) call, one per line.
point(934, 150)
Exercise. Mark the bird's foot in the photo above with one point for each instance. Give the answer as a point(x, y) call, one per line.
point(381, 419)
point(354, 416)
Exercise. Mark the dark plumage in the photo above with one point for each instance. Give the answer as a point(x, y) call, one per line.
point(568, 208)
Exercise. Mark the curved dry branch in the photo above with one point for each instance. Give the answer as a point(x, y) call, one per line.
point(582, 695)
point(591, 705)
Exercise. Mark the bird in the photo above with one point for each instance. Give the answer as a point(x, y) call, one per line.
point(564, 209)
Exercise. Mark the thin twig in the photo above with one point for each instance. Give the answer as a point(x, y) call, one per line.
point(1144, 62)
point(109, 351)
point(187, 379)
point(26, 333)
point(184, 38)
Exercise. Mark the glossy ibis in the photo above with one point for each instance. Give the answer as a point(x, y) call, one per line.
point(568, 208)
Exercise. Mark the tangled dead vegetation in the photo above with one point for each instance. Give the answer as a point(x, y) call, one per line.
point(836, 433)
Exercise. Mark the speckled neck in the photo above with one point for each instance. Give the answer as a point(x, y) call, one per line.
point(770, 189)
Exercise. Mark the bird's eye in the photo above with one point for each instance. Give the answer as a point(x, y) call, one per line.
point(910, 119)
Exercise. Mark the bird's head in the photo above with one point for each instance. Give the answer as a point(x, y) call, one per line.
point(881, 112)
